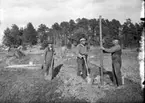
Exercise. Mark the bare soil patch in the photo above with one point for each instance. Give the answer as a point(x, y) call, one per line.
point(30, 86)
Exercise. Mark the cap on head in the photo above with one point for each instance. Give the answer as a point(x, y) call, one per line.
point(50, 42)
point(82, 39)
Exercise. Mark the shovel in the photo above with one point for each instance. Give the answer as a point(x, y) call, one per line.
point(88, 75)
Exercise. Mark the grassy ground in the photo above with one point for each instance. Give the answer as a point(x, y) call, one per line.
point(29, 86)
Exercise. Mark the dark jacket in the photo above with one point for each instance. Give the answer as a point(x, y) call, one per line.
point(115, 53)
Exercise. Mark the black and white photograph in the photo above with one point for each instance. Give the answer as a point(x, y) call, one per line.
point(72, 51)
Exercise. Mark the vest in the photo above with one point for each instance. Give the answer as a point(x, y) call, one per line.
point(116, 56)
point(78, 52)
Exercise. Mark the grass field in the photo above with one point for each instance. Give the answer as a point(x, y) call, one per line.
point(30, 86)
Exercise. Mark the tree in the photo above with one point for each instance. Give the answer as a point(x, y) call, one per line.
point(93, 24)
point(131, 33)
point(15, 35)
point(30, 34)
point(72, 26)
point(42, 32)
point(114, 27)
point(42, 28)
point(21, 35)
point(78, 34)
point(74, 30)
point(65, 31)
point(139, 28)
point(128, 32)
point(12, 36)
point(7, 38)
point(56, 32)
point(83, 23)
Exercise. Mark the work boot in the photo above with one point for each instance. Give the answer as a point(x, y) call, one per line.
point(120, 87)
point(88, 80)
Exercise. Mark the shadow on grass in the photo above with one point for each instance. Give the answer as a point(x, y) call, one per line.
point(56, 70)
point(109, 73)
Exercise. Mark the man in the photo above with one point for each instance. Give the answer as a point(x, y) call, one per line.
point(116, 61)
point(48, 59)
point(81, 54)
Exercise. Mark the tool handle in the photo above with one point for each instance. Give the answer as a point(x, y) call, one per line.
point(86, 65)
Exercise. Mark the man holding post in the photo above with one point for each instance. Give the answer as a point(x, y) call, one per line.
point(116, 61)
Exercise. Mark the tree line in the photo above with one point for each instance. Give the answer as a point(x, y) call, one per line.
point(69, 32)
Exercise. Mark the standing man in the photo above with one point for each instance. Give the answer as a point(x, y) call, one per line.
point(81, 54)
point(48, 59)
point(116, 62)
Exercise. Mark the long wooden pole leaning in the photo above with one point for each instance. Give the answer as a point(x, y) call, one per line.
point(101, 53)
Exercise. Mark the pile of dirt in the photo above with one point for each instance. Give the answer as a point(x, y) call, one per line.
point(75, 86)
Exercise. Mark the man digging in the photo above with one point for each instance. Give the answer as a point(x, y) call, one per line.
point(49, 61)
point(116, 62)
point(81, 57)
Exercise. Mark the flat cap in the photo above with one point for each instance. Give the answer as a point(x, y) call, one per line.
point(82, 39)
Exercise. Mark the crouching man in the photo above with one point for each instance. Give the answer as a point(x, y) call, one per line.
point(116, 62)
point(49, 61)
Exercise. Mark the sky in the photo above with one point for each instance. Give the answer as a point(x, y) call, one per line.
point(20, 12)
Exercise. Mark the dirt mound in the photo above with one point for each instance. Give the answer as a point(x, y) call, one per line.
point(75, 86)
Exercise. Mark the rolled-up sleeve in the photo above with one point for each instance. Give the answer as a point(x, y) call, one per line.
point(113, 49)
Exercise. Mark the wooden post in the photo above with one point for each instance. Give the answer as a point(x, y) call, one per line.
point(101, 53)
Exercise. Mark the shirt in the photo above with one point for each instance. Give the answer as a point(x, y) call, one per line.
point(81, 50)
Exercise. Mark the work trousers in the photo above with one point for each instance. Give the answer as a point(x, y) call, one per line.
point(117, 77)
point(81, 67)
point(48, 66)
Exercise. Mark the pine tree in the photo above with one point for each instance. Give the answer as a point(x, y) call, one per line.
point(12, 36)
point(30, 34)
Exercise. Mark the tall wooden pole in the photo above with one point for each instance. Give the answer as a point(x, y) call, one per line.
point(101, 52)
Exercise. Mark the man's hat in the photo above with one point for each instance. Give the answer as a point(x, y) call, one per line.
point(82, 39)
